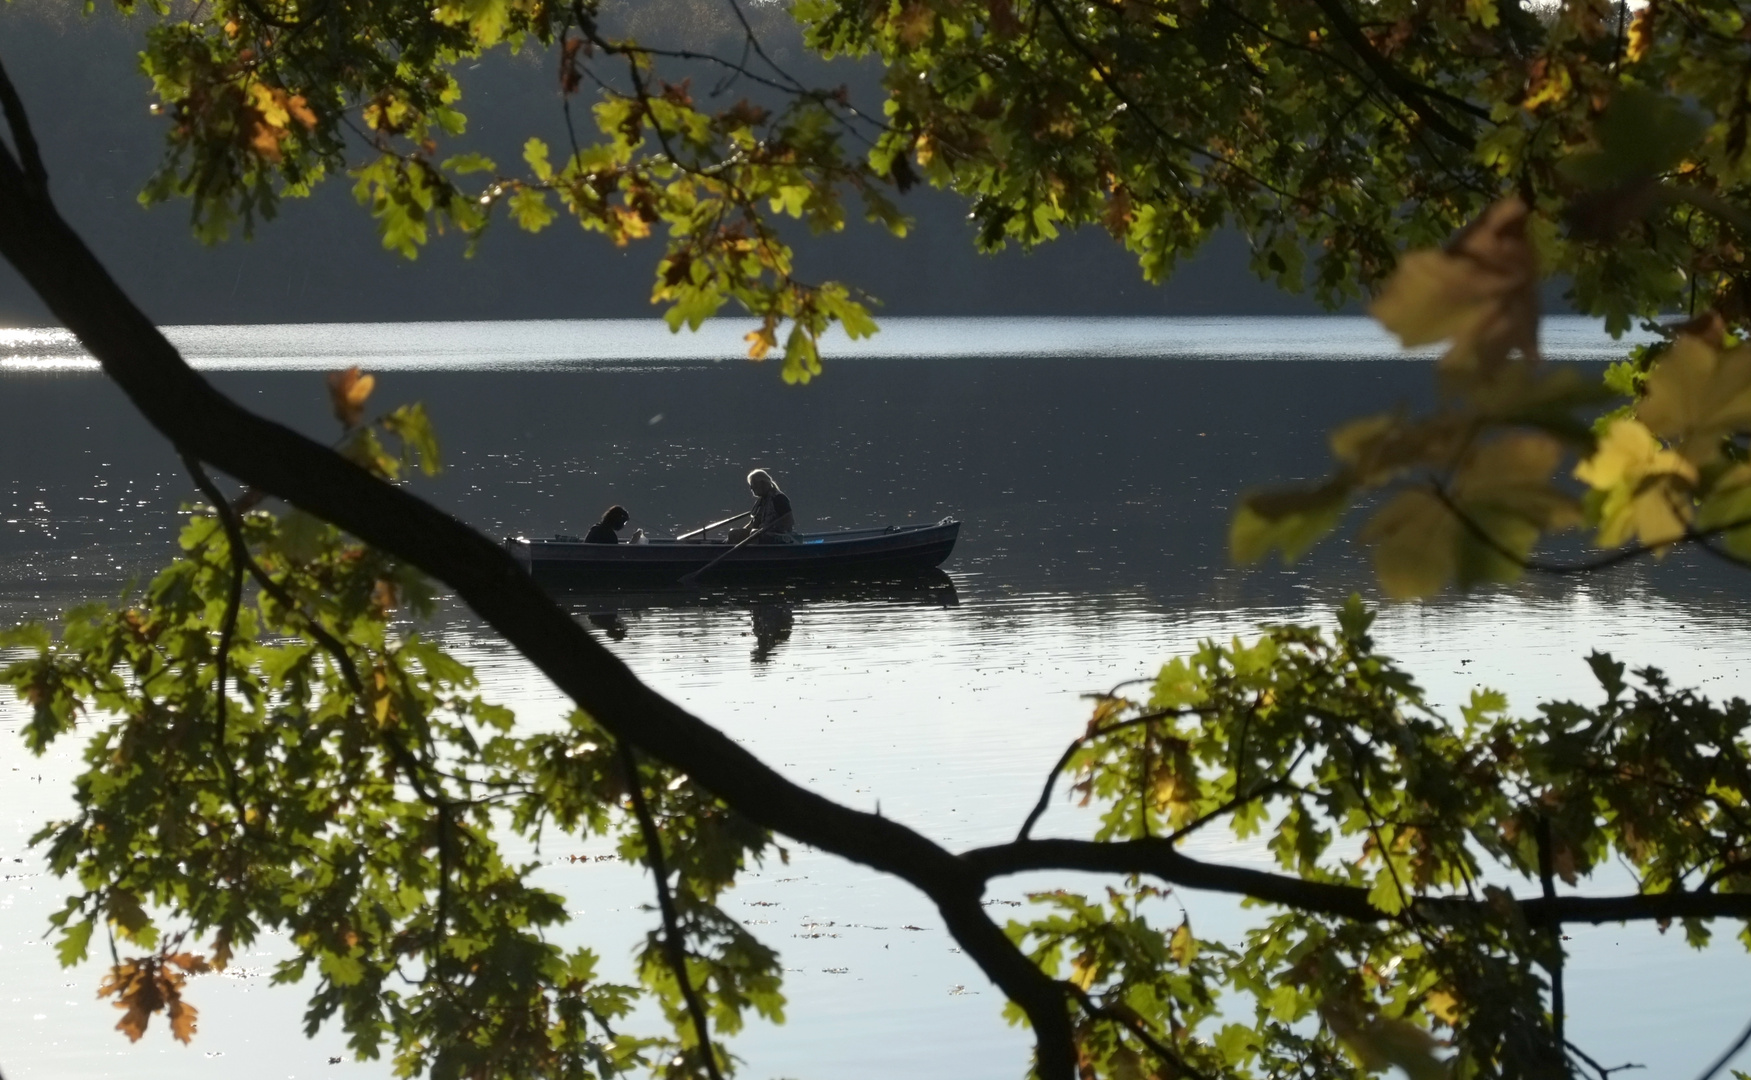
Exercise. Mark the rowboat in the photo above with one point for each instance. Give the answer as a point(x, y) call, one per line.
point(890, 551)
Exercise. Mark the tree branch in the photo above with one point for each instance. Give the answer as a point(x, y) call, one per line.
point(1727, 1055)
point(22, 138)
point(1698, 537)
point(1405, 88)
point(1132, 1023)
point(239, 552)
point(202, 422)
point(1553, 928)
point(1159, 858)
point(674, 945)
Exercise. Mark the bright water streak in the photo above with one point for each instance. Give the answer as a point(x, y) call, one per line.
point(562, 345)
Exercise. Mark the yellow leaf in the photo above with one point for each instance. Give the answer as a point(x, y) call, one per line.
point(1547, 84)
point(761, 341)
point(1084, 970)
point(1415, 540)
point(1511, 476)
point(1641, 34)
point(270, 103)
point(1442, 1005)
point(1379, 1042)
point(1728, 507)
point(1183, 947)
point(1352, 440)
point(1697, 395)
point(347, 391)
point(1646, 487)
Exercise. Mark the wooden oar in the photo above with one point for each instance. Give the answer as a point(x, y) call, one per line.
point(688, 579)
point(714, 525)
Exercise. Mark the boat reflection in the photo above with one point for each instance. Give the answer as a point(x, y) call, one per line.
point(770, 607)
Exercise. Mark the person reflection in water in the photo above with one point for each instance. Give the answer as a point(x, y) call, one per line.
point(772, 621)
point(607, 531)
point(610, 623)
point(771, 516)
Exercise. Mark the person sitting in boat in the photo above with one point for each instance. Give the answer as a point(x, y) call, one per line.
point(771, 516)
point(607, 531)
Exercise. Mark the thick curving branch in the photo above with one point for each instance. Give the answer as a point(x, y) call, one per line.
point(23, 139)
point(206, 425)
point(1161, 859)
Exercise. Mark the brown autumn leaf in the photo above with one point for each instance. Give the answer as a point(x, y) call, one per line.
point(139, 990)
point(347, 391)
point(571, 76)
point(914, 24)
point(1002, 19)
point(1117, 215)
point(1479, 294)
point(182, 1018)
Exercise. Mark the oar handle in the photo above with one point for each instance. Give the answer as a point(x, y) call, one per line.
point(688, 579)
point(713, 525)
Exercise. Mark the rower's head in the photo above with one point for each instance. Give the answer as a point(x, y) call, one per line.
point(760, 482)
point(616, 517)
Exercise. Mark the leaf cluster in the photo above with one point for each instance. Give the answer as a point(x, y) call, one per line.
point(300, 759)
point(1321, 754)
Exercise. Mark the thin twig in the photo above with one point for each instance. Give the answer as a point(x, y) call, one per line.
point(1603, 1071)
point(1078, 743)
point(1135, 1027)
point(673, 945)
point(239, 553)
point(1728, 1054)
point(1697, 537)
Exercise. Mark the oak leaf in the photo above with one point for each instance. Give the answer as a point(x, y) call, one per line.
point(1643, 488)
point(1697, 395)
point(1480, 294)
point(1415, 540)
point(347, 392)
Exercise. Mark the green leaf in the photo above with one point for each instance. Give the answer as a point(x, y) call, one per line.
point(529, 209)
point(75, 942)
point(463, 164)
point(535, 153)
point(1289, 521)
point(1641, 133)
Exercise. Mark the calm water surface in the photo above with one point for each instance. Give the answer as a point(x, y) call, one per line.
point(1093, 463)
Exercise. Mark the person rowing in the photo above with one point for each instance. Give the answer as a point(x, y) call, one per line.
point(771, 517)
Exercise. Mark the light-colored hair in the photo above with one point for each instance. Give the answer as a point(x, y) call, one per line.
point(768, 478)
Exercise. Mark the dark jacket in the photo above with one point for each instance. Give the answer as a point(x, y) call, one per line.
point(769, 508)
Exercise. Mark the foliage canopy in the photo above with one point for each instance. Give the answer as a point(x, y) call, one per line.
point(344, 776)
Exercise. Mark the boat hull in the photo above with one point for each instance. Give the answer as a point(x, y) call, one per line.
point(891, 552)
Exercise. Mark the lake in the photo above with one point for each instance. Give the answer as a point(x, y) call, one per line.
point(1093, 463)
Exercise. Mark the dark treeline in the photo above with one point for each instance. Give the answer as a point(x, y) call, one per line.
point(321, 261)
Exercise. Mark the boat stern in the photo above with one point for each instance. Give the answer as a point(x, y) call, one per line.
point(521, 550)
